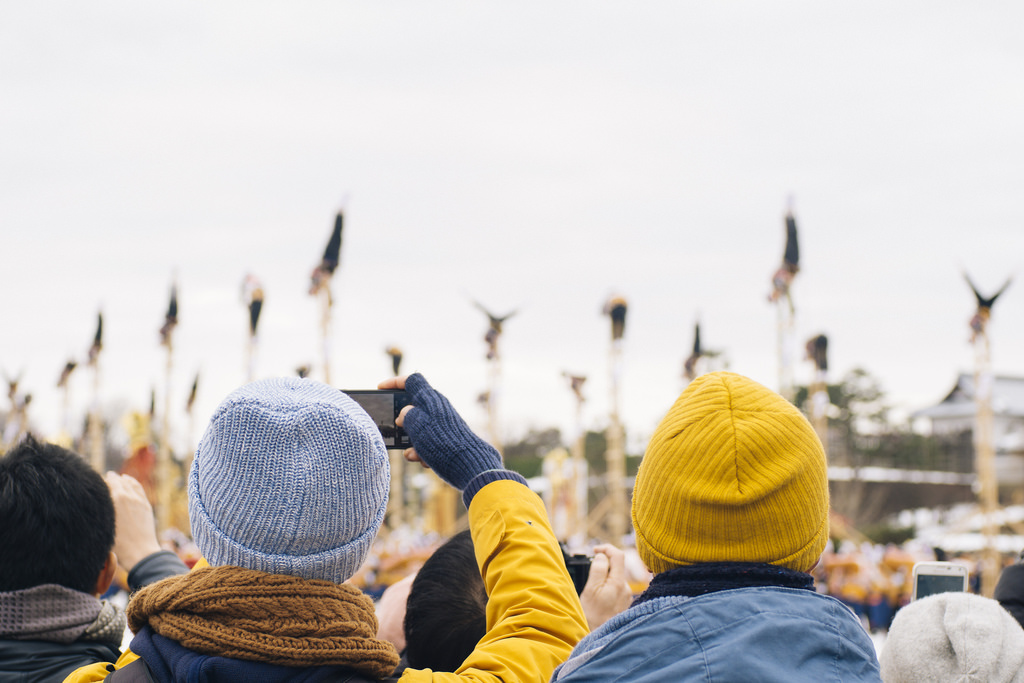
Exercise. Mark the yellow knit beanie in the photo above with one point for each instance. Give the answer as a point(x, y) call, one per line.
point(734, 473)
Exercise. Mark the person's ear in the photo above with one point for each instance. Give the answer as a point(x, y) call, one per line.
point(106, 576)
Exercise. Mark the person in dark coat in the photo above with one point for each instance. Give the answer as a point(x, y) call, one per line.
point(58, 541)
point(1010, 589)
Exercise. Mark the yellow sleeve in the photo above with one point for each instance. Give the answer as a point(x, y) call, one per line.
point(534, 617)
point(99, 671)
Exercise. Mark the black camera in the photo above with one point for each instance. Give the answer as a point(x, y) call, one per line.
point(383, 406)
point(579, 569)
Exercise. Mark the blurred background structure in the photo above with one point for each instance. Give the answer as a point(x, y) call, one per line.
point(539, 156)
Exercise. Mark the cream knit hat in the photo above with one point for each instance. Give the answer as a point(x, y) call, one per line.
point(956, 637)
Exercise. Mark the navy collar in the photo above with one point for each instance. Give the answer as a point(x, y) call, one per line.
point(711, 577)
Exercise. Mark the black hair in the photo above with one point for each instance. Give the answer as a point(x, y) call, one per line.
point(56, 518)
point(446, 613)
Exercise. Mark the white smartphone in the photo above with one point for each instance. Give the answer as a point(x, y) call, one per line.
point(938, 577)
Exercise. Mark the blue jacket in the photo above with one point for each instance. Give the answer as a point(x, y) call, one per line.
point(765, 633)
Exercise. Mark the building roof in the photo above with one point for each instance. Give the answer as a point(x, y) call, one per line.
point(1007, 399)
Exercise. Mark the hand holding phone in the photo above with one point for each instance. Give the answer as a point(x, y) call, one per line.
point(443, 440)
point(930, 578)
point(383, 406)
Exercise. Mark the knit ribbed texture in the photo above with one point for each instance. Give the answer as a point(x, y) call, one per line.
point(259, 617)
point(957, 637)
point(484, 478)
point(291, 477)
point(57, 614)
point(734, 473)
point(446, 443)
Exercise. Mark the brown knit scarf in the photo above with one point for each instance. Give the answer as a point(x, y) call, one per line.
point(272, 618)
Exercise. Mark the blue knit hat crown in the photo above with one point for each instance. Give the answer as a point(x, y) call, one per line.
point(291, 477)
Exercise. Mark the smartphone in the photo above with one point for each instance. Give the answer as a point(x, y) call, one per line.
point(383, 406)
point(938, 577)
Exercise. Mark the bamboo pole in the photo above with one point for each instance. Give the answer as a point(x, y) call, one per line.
point(785, 331)
point(165, 476)
point(984, 454)
point(252, 297)
point(782, 295)
point(494, 395)
point(493, 337)
point(556, 468)
point(65, 410)
point(190, 440)
point(578, 511)
point(819, 407)
point(615, 454)
point(96, 455)
point(326, 302)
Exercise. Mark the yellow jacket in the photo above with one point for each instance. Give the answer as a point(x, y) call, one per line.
point(534, 618)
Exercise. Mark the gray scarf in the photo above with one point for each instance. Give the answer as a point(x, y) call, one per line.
point(58, 615)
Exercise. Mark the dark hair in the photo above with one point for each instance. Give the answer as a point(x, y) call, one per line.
point(57, 518)
point(446, 613)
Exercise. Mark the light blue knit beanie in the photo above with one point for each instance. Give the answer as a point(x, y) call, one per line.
point(291, 477)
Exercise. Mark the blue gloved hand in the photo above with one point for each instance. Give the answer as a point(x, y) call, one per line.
point(446, 444)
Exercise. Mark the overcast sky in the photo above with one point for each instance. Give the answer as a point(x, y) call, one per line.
point(535, 156)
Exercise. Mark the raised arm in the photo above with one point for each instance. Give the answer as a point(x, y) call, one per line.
point(534, 617)
point(135, 542)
